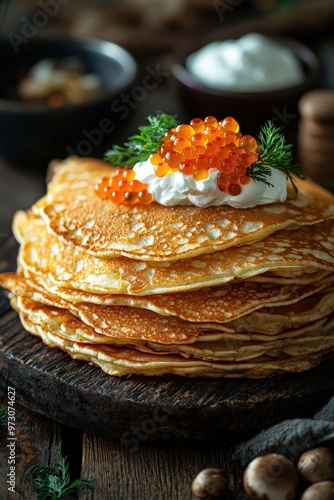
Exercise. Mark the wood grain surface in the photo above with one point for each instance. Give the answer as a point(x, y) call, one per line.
point(118, 472)
point(150, 409)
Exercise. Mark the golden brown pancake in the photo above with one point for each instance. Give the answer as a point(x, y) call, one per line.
point(83, 322)
point(237, 307)
point(122, 360)
point(67, 327)
point(304, 249)
point(76, 215)
point(289, 276)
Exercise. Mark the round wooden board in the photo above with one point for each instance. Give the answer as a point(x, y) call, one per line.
point(148, 409)
point(151, 409)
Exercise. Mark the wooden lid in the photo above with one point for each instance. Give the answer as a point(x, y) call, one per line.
point(318, 105)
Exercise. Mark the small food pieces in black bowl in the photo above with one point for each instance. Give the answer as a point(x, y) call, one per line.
point(34, 131)
point(59, 81)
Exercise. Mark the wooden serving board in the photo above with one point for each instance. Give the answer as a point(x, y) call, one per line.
point(149, 409)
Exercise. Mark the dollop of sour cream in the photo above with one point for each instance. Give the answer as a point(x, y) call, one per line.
point(179, 189)
point(251, 63)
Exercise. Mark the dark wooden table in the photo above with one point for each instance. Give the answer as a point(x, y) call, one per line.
point(120, 472)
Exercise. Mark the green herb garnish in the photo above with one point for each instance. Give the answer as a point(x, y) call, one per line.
point(3, 418)
point(3, 414)
point(139, 147)
point(52, 482)
point(273, 152)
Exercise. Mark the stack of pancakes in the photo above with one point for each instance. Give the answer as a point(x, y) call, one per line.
point(146, 289)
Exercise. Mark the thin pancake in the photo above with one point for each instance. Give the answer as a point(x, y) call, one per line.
point(62, 323)
point(121, 361)
point(289, 276)
point(56, 313)
point(208, 345)
point(117, 323)
point(218, 305)
point(68, 267)
point(274, 320)
point(319, 338)
point(76, 215)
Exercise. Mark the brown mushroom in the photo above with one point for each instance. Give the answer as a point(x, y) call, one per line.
point(324, 490)
point(271, 477)
point(210, 484)
point(316, 465)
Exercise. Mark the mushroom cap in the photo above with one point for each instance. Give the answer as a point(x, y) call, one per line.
point(324, 490)
point(316, 465)
point(210, 484)
point(271, 476)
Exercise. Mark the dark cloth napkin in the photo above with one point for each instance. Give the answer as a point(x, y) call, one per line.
point(289, 438)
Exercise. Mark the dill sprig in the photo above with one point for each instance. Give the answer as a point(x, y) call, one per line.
point(139, 147)
point(53, 482)
point(3, 414)
point(273, 152)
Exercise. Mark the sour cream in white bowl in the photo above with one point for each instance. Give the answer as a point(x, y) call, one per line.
point(251, 63)
point(253, 78)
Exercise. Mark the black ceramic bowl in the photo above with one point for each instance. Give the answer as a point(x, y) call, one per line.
point(32, 133)
point(251, 109)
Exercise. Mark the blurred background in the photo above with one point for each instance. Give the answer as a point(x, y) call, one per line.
point(151, 31)
point(156, 26)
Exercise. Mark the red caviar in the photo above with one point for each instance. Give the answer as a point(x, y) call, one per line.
point(208, 144)
point(194, 150)
point(123, 188)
